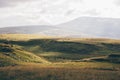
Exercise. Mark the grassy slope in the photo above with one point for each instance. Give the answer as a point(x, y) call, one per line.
point(59, 70)
point(12, 55)
point(58, 49)
point(67, 50)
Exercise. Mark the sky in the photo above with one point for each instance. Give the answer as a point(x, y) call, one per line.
point(52, 12)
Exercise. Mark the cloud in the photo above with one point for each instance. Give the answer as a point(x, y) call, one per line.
point(54, 11)
point(6, 3)
point(117, 2)
point(70, 12)
point(93, 12)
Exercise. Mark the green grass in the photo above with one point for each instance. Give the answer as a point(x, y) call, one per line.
point(31, 58)
point(67, 49)
point(12, 55)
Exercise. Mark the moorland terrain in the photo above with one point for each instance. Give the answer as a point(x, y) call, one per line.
point(41, 57)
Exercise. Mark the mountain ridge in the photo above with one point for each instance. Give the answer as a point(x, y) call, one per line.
point(81, 27)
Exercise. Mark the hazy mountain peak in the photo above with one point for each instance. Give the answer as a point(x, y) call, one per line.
point(101, 27)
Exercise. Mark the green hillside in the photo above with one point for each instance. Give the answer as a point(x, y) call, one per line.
point(13, 55)
point(56, 50)
point(37, 58)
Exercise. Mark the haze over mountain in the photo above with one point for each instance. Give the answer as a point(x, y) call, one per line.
point(99, 27)
point(80, 27)
point(32, 29)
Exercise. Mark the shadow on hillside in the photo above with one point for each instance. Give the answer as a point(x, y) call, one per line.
point(65, 50)
point(65, 47)
point(56, 46)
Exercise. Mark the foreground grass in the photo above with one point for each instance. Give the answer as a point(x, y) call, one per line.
point(62, 71)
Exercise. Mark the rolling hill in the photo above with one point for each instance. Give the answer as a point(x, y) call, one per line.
point(35, 57)
point(40, 29)
point(14, 55)
point(26, 29)
point(60, 49)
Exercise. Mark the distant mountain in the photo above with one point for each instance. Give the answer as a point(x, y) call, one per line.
point(64, 33)
point(99, 27)
point(26, 29)
point(81, 27)
point(41, 29)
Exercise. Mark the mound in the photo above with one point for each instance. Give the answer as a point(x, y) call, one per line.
point(12, 55)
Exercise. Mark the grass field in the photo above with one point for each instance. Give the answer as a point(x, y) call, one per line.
point(34, 57)
point(62, 71)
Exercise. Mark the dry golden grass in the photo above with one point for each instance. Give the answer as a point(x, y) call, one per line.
point(90, 40)
point(58, 38)
point(23, 36)
point(57, 72)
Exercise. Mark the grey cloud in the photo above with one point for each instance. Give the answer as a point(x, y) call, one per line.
point(6, 3)
point(117, 2)
point(69, 12)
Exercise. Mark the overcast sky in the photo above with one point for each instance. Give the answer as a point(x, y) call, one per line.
point(45, 12)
